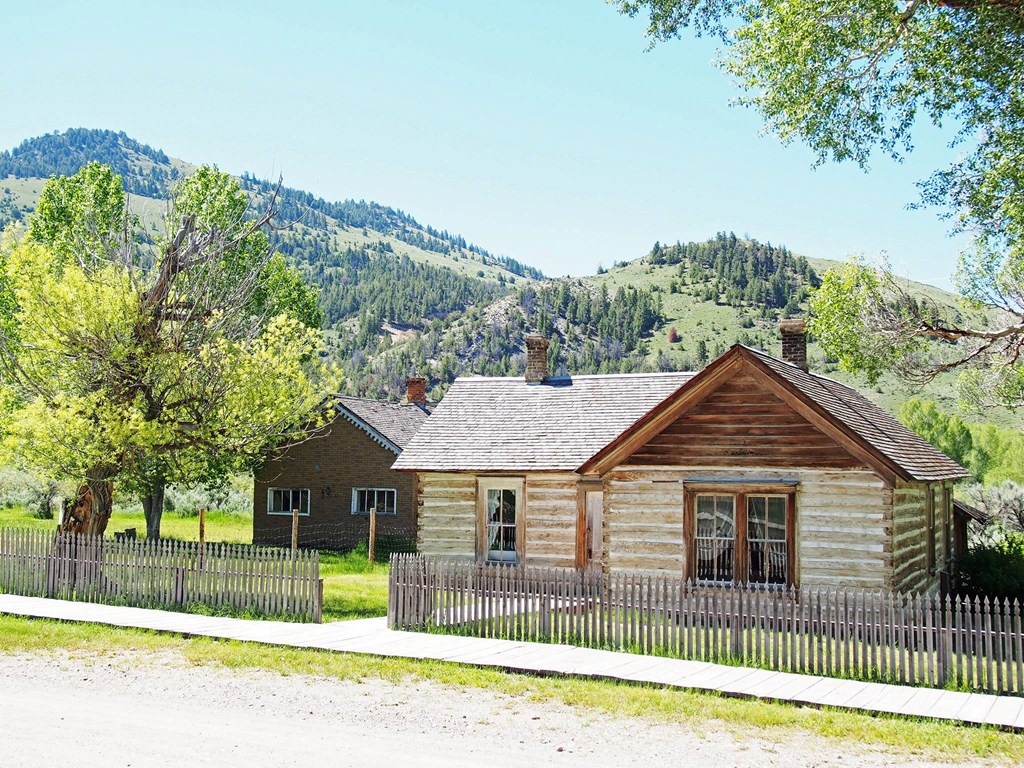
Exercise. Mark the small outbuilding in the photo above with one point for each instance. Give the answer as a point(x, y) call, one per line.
point(338, 475)
point(753, 470)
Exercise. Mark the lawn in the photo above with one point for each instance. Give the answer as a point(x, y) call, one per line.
point(227, 527)
point(742, 717)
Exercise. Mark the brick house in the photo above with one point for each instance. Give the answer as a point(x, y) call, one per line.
point(336, 477)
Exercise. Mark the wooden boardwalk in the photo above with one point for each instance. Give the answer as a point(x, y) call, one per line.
point(371, 636)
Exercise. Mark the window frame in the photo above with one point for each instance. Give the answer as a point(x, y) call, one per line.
point(359, 513)
point(485, 484)
point(270, 499)
point(741, 542)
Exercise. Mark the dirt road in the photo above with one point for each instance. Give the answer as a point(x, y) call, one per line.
point(132, 711)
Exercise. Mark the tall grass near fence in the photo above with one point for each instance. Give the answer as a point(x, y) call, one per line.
point(911, 639)
point(177, 575)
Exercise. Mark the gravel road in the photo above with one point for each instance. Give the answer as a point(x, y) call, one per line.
point(136, 711)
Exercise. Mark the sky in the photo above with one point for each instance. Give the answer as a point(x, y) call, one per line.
point(545, 131)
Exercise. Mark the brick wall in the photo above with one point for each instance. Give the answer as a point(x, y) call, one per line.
point(330, 467)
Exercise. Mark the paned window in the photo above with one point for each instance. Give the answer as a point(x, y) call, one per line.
point(716, 537)
point(283, 501)
point(381, 499)
point(741, 535)
point(501, 524)
point(767, 545)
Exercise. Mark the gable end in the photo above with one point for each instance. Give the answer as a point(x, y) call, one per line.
point(741, 423)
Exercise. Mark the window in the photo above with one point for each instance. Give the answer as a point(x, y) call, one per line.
point(500, 523)
point(767, 547)
point(716, 537)
point(741, 536)
point(381, 499)
point(282, 501)
point(929, 521)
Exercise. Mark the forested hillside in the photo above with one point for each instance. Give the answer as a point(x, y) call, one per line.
point(402, 298)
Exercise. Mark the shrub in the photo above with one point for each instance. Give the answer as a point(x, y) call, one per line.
point(994, 569)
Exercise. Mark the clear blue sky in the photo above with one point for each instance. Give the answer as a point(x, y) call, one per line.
point(540, 130)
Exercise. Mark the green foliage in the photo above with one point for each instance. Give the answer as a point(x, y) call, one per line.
point(999, 453)
point(80, 217)
point(992, 453)
point(994, 569)
point(155, 374)
point(144, 170)
point(840, 320)
point(743, 272)
point(848, 78)
point(949, 433)
point(379, 286)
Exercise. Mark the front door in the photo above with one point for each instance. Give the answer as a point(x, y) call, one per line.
point(595, 532)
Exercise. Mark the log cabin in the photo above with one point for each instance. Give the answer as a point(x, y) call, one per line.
point(338, 475)
point(754, 470)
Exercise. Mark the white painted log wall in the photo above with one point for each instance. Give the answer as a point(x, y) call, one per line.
point(446, 516)
point(844, 522)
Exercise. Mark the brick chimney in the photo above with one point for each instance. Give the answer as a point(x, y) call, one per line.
point(416, 390)
point(536, 358)
point(794, 342)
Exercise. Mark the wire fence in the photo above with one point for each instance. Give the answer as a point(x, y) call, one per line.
point(341, 536)
point(913, 639)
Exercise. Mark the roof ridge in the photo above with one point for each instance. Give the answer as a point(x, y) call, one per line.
point(588, 376)
point(794, 366)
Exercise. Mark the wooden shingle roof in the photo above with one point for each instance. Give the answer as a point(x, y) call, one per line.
point(878, 429)
point(588, 423)
point(393, 425)
point(505, 424)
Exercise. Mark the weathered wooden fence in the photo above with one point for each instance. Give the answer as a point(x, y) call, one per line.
point(911, 639)
point(162, 573)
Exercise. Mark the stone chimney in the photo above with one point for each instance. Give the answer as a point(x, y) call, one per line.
point(416, 390)
point(794, 342)
point(536, 358)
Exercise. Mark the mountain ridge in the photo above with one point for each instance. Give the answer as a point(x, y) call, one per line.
point(405, 298)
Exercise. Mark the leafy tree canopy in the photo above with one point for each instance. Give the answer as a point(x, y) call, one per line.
point(848, 79)
point(179, 368)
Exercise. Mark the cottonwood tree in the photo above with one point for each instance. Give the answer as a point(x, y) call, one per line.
point(149, 369)
point(848, 79)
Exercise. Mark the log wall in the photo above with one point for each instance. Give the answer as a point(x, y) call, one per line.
point(912, 518)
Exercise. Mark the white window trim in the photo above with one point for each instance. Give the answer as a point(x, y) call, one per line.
point(355, 497)
point(270, 500)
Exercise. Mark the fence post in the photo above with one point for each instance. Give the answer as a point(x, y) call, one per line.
point(295, 531)
point(202, 537)
point(179, 586)
point(373, 533)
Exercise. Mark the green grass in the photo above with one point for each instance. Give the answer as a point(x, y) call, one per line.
point(742, 717)
point(227, 527)
point(354, 588)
